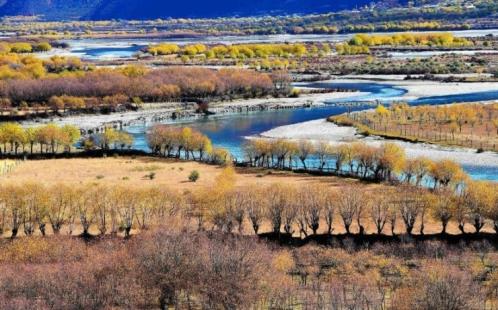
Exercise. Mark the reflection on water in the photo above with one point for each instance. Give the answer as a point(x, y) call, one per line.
point(229, 131)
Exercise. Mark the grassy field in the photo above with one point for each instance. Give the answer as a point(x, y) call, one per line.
point(137, 171)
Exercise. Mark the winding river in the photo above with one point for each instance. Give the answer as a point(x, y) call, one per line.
point(230, 131)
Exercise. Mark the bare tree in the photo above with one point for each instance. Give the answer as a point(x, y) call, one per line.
point(349, 200)
point(379, 212)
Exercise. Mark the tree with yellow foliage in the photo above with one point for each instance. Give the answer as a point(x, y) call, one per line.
point(478, 198)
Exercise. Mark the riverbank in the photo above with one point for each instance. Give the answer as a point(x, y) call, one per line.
point(164, 112)
point(322, 130)
point(416, 89)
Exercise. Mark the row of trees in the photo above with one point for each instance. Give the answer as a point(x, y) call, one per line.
point(43, 139)
point(110, 209)
point(305, 210)
point(24, 47)
point(16, 66)
point(171, 141)
point(411, 39)
point(440, 64)
point(311, 208)
point(110, 138)
point(139, 84)
point(240, 51)
point(385, 162)
point(462, 124)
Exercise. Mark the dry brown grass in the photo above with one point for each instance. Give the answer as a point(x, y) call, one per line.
point(133, 171)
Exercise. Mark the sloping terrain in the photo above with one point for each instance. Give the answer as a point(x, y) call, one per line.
point(149, 9)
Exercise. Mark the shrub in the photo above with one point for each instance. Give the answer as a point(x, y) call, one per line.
point(151, 176)
point(194, 176)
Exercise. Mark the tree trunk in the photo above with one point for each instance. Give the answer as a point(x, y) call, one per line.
point(56, 229)
point(42, 227)
point(127, 232)
point(347, 227)
point(444, 223)
point(14, 232)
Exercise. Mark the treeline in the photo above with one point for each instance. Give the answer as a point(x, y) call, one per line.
point(99, 209)
point(443, 64)
point(24, 47)
point(16, 139)
point(386, 162)
point(409, 39)
point(186, 143)
point(52, 139)
point(239, 51)
point(32, 207)
point(405, 26)
point(348, 49)
point(111, 88)
point(15, 66)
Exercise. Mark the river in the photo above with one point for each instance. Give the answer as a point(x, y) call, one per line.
point(231, 131)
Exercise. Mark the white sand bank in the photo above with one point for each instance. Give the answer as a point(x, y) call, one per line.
point(420, 88)
point(321, 130)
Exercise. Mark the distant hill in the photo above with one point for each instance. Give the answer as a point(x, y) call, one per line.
point(151, 9)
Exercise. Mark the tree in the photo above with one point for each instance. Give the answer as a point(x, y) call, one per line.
point(102, 207)
point(126, 207)
point(305, 148)
point(446, 288)
point(379, 211)
point(391, 159)
point(492, 210)
point(323, 150)
point(443, 207)
point(446, 172)
point(169, 265)
point(62, 201)
point(330, 202)
point(276, 206)
point(410, 204)
point(478, 197)
point(12, 197)
point(349, 200)
point(312, 200)
point(70, 135)
point(255, 208)
point(85, 208)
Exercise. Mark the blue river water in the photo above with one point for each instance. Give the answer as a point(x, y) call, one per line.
point(230, 131)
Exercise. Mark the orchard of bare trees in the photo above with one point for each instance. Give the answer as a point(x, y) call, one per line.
point(92, 209)
point(467, 125)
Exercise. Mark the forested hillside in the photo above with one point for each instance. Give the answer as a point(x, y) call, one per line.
point(150, 9)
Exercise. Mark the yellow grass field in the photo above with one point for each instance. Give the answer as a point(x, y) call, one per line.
point(134, 171)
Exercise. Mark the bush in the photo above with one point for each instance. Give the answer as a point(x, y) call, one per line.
point(194, 176)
